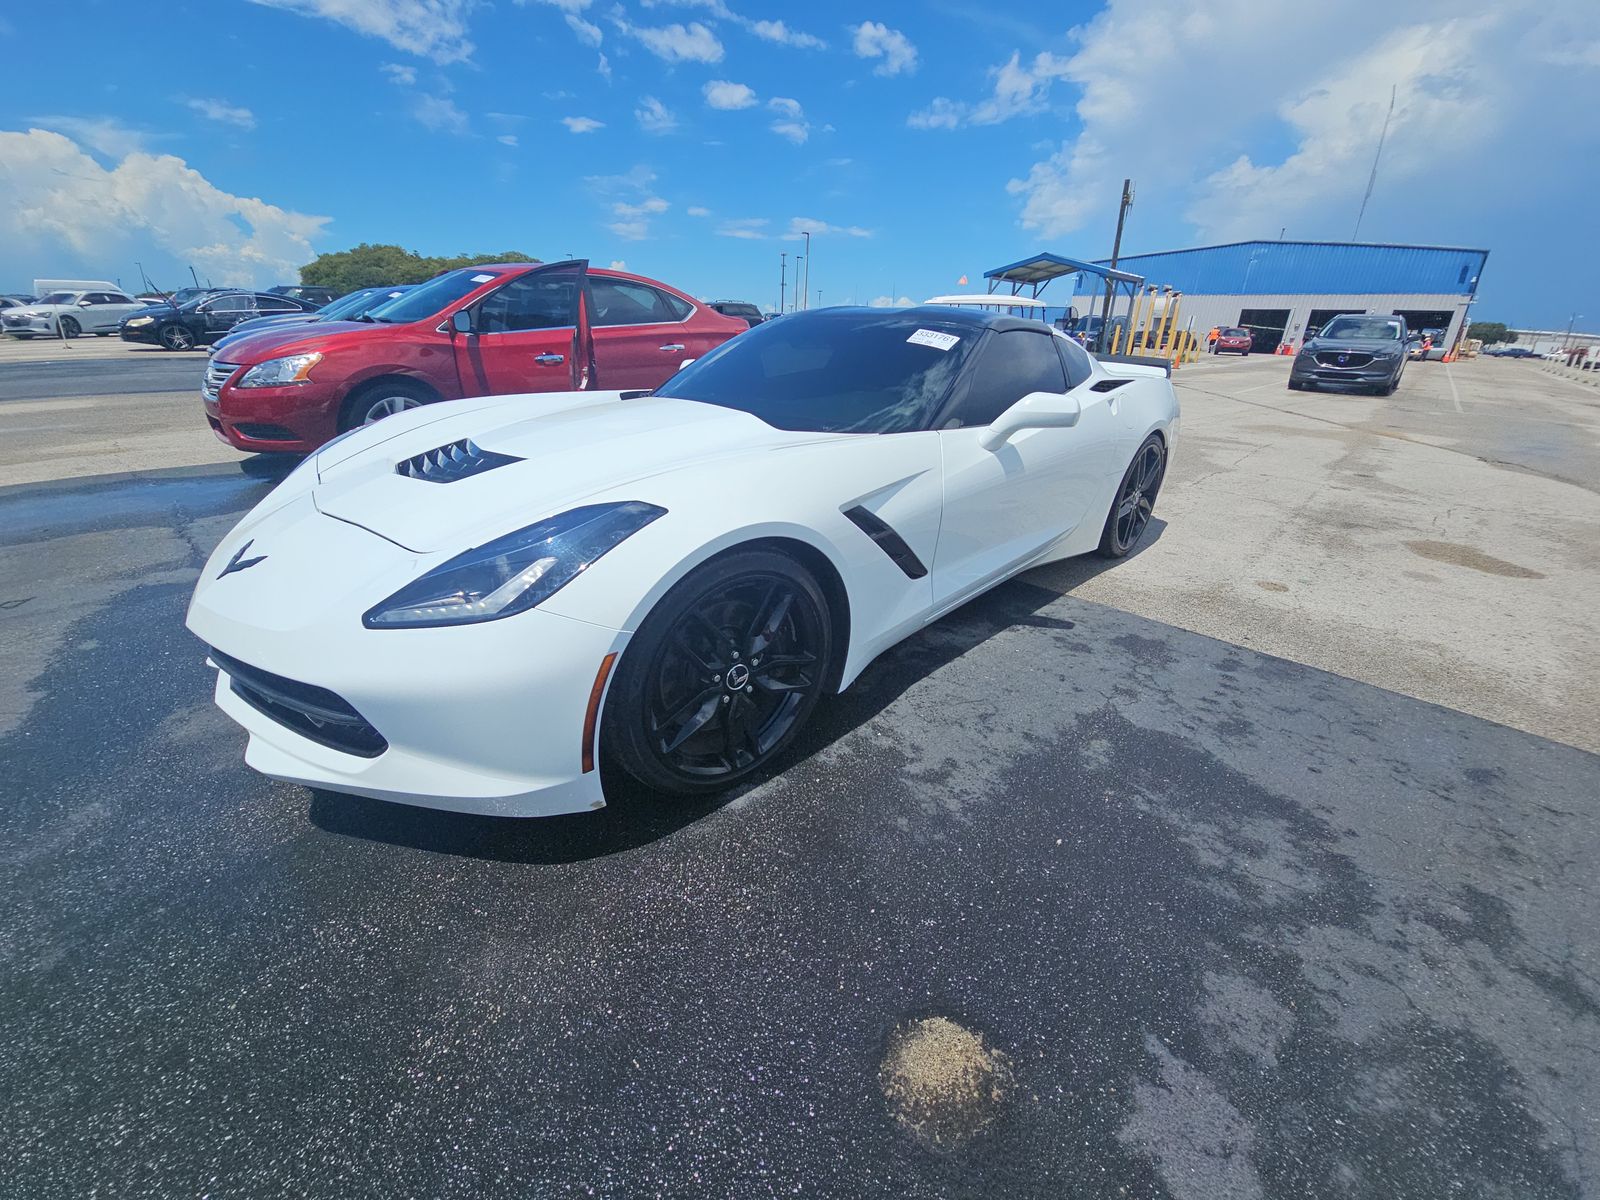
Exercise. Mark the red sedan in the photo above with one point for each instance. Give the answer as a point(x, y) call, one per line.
point(477, 331)
point(1232, 340)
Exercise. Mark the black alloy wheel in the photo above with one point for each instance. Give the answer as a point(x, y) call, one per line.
point(69, 327)
point(1136, 499)
point(721, 676)
point(177, 337)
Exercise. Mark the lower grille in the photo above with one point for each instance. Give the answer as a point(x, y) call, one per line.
point(1342, 358)
point(217, 374)
point(314, 713)
point(265, 433)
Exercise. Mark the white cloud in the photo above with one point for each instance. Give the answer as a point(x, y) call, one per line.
point(435, 29)
point(891, 302)
point(618, 265)
point(582, 124)
point(632, 201)
point(654, 116)
point(748, 228)
point(696, 210)
point(439, 113)
point(399, 74)
point(777, 31)
point(784, 105)
point(223, 113)
point(721, 93)
point(507, 139)
point(58, 204)
point(1490, 74)
point(106, 135)
point(874, 39)
point(603, 68)
point(801, 225)
point(587, 31)
point(646, 207)
point(633, 231)
point(677, 43)
point(1018, 89)
point(791, 122)
point(796, 131)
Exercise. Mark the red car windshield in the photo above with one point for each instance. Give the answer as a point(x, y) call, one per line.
point(438, 293)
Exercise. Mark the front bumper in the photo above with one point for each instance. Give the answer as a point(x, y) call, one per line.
point(144, 334)
point(483, 718)
point(295, 419)
point(1378, 371)
point(32, 327)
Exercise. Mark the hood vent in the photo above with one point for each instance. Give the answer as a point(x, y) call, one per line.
point(454, 462)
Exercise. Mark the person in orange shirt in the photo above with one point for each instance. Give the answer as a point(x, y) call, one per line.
point(1211, 338)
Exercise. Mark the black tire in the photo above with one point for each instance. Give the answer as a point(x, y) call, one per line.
point(176, 336)
point(722, 675)
point(382, 399)
point(69, 327)
point(1135, 500)
point(1244, 354)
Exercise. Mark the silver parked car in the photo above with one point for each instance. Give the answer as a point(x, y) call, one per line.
point(68, 314)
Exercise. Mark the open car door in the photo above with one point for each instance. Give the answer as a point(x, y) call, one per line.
point(530, 335)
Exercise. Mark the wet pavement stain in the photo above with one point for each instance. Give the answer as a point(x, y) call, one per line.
point(942, 1082)
point(1271, 585)
point(1466, 556)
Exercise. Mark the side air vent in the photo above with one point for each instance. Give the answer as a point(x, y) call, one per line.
point(1110, 385)
point(454, 462)
point(890, 542)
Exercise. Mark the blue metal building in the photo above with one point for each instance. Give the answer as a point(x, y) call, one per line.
point(1279, 290)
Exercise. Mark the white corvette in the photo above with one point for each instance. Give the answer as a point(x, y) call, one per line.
point(469, 605)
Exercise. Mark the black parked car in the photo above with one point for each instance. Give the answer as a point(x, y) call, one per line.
point(314, 296)
point(205, 318)
point(739, 309)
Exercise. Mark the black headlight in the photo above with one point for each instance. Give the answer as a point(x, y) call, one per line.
point(512, 573)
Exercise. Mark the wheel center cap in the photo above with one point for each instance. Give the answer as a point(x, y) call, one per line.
point(738, 677)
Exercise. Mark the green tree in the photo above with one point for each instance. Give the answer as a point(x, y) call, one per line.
point(1491, 332)
point(382, 265)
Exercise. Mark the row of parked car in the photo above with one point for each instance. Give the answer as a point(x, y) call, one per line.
point(179, 321)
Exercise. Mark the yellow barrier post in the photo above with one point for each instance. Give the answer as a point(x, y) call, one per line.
point(1169, 324)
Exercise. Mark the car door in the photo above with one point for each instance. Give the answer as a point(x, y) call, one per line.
point(223, 313)
point(1006, 506)
point(529, 335)
point(639, 333)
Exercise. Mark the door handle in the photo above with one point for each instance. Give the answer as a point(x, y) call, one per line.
point(549, 360)
point(673, 346)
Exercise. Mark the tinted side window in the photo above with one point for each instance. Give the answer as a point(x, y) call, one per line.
point(276, 304)
point(538, 300)
point(99, 298)
point(1076, 360)
point(620, 302)
point(230, 304)
point(1014, 363)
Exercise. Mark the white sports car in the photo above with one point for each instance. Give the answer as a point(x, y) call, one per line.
point(467, 606)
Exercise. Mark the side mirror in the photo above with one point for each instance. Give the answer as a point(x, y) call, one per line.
point(461, 321)
point(684, 363)
point(1036, 410)
point(85, 303)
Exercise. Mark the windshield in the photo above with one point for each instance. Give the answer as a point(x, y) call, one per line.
point(1362, 327)
point(1233, 333)
point(837, 371)
point(354, 304)
point(59, 298)
point(426, 299)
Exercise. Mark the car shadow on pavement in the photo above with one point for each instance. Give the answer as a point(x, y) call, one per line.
point(635, 816)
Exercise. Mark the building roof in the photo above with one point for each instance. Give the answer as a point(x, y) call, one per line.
point(1041, 268)
point(988, 300)
point(1314, 268)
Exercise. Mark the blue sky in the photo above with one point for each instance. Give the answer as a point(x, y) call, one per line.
point(692, 141)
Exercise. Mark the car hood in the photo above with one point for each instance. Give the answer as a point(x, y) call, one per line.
point(568, 447)
point(256, 343)
point(252, 348)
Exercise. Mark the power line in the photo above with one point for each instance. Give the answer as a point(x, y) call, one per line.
point(1373, 178)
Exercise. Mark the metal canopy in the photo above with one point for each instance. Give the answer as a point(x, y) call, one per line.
point(1036, 272)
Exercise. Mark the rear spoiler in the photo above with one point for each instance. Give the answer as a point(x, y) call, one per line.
point(1134, 365)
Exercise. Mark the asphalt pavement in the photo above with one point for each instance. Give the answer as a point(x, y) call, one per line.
point(1214, 924)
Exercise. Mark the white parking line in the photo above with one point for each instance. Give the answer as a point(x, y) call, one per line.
point(1454, 395)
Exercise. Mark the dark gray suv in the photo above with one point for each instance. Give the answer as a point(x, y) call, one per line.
point(1356, 350)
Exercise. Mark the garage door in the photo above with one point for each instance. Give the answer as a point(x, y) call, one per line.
point(1267, 324)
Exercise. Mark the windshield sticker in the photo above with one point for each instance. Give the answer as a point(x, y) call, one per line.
point(482, 278)
point(928, 337)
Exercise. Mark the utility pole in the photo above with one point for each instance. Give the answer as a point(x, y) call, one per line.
point(1116, 250)
point(819, 297)
point(1566, 342)
point(783, 277)
point(807, 296)
point(794, 304)
point(193, 276)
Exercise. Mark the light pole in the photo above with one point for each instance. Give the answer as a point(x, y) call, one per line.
point(1566, 342)
point(808, 269)
point(794, 305)
point(783, 277)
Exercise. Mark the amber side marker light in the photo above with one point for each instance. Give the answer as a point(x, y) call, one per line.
point(591, 716)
